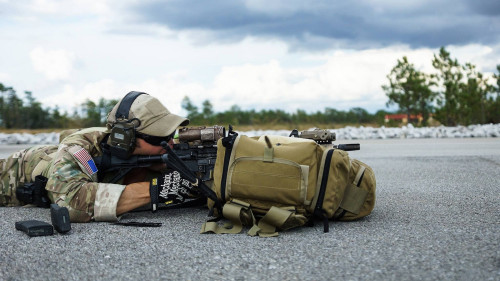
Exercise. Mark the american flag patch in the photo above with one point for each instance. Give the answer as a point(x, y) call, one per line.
point(84, 157)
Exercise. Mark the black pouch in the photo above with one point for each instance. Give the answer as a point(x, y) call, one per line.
point(35, 228)
point(34, 192)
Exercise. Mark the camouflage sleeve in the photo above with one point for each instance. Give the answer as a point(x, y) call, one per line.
point(106, 201)
point(70, 184)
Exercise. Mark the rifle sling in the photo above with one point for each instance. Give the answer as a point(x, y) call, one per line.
point(176, 163)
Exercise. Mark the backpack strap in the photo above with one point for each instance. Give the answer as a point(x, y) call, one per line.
point(277, 218)
point(240, 214)
point(236, 211)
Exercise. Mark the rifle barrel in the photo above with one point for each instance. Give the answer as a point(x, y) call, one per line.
point(349, 146)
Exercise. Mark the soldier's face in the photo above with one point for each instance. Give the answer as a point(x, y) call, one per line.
point(144, 148)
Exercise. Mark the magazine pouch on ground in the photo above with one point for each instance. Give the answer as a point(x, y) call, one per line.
point(276, 183)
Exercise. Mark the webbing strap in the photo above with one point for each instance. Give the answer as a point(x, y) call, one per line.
point(126, 103)
point(236, 211)
point(276, 218)
point(268, 154)
point(268, 151)
point(359, 175)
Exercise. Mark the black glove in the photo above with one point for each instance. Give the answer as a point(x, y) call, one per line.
point(170, 188)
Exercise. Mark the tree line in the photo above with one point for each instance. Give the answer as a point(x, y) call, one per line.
point(28, 113)
point(236, 116)
point(455, 94)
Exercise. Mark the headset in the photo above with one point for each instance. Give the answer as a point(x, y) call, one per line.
point(123, 136)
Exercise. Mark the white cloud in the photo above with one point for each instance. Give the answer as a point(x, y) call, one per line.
point(54, 64)
point(4, 78)
point(485, 57)
point(69, 7)
point(341, 79)
point(170, 89)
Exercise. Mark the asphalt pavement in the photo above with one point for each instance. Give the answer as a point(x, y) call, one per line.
point(437, 217)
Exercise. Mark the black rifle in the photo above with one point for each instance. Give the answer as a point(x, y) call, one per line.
point(197, 148)
point(193, 157)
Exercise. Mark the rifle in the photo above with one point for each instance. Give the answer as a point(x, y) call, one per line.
point(193, 157)
point(324, 137)
point(196, 147)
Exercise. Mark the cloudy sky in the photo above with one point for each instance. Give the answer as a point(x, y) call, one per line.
point(285, 54)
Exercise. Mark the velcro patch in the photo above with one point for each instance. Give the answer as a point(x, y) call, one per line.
point(83, 156)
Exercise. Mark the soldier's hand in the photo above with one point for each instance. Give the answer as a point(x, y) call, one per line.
point(170, 188)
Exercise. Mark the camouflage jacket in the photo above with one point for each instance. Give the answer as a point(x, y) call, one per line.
point(71, 181)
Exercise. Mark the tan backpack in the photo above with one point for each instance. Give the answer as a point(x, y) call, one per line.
point(275, 182)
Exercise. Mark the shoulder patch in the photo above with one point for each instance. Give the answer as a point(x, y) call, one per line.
point(83, 156)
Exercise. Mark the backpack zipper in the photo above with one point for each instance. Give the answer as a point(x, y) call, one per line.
point(318, 210)
point(228, 143)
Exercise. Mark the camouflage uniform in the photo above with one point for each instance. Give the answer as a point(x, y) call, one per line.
point(69, 183)
point(72, 183)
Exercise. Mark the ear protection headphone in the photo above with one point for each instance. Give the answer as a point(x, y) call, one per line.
point(122, 137)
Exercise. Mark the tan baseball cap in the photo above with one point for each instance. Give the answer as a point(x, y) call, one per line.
point(156, 119)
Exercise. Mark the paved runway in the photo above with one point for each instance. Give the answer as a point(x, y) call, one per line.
point(437, 217)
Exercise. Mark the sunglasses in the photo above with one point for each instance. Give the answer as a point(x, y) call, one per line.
point(154, 140)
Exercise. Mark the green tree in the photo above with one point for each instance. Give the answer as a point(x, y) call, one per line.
point(409, 89)
point(92, 115)
point(493, 108)
point(58, 120)
point(473, 96)
point(3, 104)
point(192, 110)
point(449, 79)
point(13, 117)
point(95, 114)
point(359, 115)
point(34, 115)
point(300, 116)
point(379, 116)
point(105, 106)
point(207, 111)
